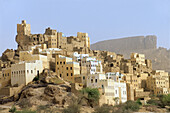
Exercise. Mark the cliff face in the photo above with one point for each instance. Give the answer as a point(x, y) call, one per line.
point(145, 45)
point(127, 44)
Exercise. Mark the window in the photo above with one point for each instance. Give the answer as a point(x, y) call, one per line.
point(71, 74)
point(70, 68)
point(102, 86)
point(64, 62)
point(60, 75)
point(60, 62)
point(27, 71)
point(91, 80)
point(83, 77)
point(67, 68)
point(57, 63)
point(67, 74)
point(96, 80)
point(3, 75)
point(116, 91)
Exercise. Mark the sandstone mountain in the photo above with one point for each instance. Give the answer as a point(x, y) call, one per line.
point(145, 45)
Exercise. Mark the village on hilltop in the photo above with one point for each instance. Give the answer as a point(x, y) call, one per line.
point(71, 60)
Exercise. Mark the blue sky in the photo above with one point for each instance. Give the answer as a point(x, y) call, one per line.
point(102, 19)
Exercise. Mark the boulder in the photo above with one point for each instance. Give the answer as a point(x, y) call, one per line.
point(28, 93)
point(8, 55)
point(52, 90)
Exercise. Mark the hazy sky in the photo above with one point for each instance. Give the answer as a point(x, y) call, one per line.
point(101, 19)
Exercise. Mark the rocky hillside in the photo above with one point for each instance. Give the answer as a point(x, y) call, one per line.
point(46, 94)
point(146, 45)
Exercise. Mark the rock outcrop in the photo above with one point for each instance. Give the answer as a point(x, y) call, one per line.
point(52, 94)
point(8, 55)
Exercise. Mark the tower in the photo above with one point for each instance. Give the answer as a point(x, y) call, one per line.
point(23, 28)
point(84, 37)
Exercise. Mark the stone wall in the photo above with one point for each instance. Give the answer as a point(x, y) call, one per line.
point(10, 91)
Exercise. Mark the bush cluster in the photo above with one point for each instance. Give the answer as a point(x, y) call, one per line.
point(93, 93)
point(162, 101)
point(72, 108)
point(127, 107)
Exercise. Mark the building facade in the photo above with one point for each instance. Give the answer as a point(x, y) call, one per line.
point(158, 83)
point(5, 77)
point(66, 68)
point(24, 72)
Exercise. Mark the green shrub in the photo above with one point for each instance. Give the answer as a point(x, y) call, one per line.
point(103, 109)
point(139, 102)
point(93, 93)
point(131, 105)
point(165, 100)
point(162, 101)
point(25, 111)
point(36, 78)
point(13, 109)
point(127, 107)
point(154, 102)
point(72, 108)
point(122, 111)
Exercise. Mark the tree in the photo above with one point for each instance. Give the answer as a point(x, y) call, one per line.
point(93, 95)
